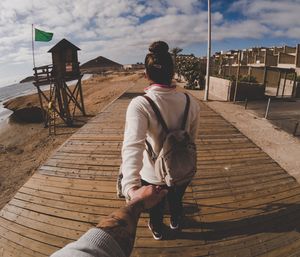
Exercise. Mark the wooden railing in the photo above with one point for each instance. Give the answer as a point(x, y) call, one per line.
point(43, 74)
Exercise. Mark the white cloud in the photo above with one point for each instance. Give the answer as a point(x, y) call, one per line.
point(244, 29)
point(276, 14)
point(123, 29)
point(187, 6)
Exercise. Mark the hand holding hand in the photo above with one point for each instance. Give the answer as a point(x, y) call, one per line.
point(150, 195)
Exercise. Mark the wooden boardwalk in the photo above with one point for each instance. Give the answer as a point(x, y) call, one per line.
point(241, 202)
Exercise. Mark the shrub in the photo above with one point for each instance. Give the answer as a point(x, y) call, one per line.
point(248, 78)
point(193, 71)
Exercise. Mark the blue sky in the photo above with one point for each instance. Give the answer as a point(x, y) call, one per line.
point(122, 29)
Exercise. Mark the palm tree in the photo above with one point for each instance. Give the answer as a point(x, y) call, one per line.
point(175, 51)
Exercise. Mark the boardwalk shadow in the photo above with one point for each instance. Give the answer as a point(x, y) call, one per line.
point(274, 218)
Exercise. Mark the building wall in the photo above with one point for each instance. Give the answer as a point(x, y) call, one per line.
point(286, 66)
point(219, 88)
point(251, 59)
point(289, 50)
point(287, 88)
point(258, 73)
point(259, 59)
point(244, 71)
point(272, 78)
point(278, 50)
point(284, 58)
point(223, 89)
point(271, 60)
point(230, 71)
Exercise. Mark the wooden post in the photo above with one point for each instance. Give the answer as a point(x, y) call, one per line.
point(73, 96)
point(265, 75)
point(42, 108)
point(278, 84)
point(294, 85)
point(284, 83)
point(59, 98)
point(81, 97)
point(268, 108)
point(62, 85)
point(237, 76)
point(246, 103)
point(249, 73)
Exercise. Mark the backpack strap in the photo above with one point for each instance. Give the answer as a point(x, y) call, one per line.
point(150, 151)
point(186, 111)
point(158, 114)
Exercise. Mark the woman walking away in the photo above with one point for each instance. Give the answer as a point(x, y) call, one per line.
point(146, 134)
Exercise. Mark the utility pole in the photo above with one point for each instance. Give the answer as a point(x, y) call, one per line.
point(237, 76)
point(208, 52)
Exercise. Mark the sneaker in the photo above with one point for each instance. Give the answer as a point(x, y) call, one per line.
point(174, 223)
point(157, 235)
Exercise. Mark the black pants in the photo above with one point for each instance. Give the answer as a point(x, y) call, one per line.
point(174, 198)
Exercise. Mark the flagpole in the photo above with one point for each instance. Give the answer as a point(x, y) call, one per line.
point(208, 51)
point(32, 43)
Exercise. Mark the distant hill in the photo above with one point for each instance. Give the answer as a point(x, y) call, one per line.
point(100, 64)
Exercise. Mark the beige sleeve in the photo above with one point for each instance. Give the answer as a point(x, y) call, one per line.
point(136, 126)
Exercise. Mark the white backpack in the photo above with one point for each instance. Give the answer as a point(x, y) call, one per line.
point(176, 163)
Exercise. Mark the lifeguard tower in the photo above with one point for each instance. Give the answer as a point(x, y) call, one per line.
point(61, 100)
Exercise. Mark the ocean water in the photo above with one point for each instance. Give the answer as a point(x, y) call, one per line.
point(12, 91)
point(16, 90)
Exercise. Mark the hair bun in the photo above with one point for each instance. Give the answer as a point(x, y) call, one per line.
point(159, 47)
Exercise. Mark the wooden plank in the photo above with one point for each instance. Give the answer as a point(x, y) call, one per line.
point(36, 235)
point(61, 213)
point(63, 205)
point(113, 203)
point(55, 222)
point(67, 182)
point(12, 249)
point(51, 229)
point(233, 206)
point(249, 212)
point(254, 203)
point(37, 248)
point(74, 192)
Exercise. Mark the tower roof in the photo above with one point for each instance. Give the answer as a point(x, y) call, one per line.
point(63, 44)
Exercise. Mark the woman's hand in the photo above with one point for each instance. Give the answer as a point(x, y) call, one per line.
point(132, 191)
point(150, 195)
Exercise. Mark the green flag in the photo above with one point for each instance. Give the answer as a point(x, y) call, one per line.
point(43, 35)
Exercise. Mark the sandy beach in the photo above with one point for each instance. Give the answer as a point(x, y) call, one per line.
point(25, 146)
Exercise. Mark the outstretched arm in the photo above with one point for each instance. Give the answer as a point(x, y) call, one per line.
point(121, 224)
point(115, 234)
